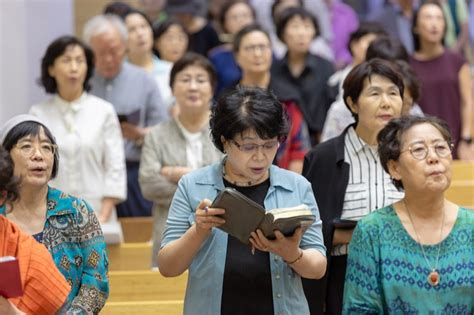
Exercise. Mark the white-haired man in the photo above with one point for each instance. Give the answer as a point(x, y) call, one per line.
point(134, 94)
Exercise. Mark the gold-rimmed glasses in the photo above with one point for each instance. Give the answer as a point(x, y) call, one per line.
point(28, 149)
point(419, 150)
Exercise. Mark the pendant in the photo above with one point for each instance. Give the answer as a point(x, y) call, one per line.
point(433, 278)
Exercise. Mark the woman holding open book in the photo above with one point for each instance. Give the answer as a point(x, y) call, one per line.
point(227, 276)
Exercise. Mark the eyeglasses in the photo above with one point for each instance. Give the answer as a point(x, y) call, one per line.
point(252, 148)
point(28, 149)
point(254, 48)
point(420, 150)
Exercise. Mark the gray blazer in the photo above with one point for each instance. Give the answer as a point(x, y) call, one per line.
point(165, 145)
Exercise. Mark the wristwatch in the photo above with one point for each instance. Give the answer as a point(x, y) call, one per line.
point(467, 140)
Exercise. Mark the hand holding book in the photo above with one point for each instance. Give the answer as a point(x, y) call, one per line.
point(207, 218)
point(243, 216)
point(285, 246)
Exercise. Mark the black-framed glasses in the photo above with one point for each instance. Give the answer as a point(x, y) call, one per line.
point(252, 148)
point(28, 149)
point(419, 150)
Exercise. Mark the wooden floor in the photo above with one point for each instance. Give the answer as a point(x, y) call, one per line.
point(129, 256)
point(134, 288)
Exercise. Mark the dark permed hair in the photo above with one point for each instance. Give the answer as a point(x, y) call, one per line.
point(389, 139)
point(194, 59)
point(245, 108)
point(55, 50)
point(31, 128)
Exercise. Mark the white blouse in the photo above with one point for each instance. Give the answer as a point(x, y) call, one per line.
point(91, 154)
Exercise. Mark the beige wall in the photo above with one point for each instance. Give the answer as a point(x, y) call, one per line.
point(85, 9)
point(26, 29)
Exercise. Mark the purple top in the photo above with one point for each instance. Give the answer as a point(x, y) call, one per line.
point(344, 21)
point(440, 91)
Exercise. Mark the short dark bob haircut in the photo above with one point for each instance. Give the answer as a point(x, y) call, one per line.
point(31, 128)
point(243, 32)
point(245, 108)
point(365, 28)
point(136, 11)
point(118, 8)
point(416, 37)
point(388, 48)
point(292, 12)
point(194, 59)
point(390, 137)
point(57, 49)
point(8, 182)
point(227, 6)
point(354, 82)
point(275, 5)
point(159, 28)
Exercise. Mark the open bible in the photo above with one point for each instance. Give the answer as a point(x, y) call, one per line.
point(10, 280)
point(243, 216)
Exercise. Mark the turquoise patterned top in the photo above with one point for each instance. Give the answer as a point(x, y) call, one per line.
point(73, 236)
point(387, 273)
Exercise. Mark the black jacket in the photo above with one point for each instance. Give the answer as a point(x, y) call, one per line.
point(325, 168)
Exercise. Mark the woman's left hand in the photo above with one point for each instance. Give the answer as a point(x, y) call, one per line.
point(285, 247)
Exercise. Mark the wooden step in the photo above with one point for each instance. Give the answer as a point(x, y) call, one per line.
point(171, 307)
point(461, 192)
point(462, 170)
point(129, 256)
point(136, 229)
point(145, 286)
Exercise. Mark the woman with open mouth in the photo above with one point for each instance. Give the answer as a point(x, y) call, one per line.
point(67, 226)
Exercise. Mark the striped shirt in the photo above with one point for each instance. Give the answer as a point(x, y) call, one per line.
point(369, 187)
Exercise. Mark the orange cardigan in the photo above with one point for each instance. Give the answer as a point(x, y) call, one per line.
point(45, 289)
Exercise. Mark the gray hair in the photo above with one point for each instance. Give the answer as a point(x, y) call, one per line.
point(100, 24)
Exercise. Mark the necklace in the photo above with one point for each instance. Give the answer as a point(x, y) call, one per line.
point(234, 182)
point(433, 276)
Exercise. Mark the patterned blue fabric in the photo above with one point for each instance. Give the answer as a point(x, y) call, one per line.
point(73, 236)
point(387, 273)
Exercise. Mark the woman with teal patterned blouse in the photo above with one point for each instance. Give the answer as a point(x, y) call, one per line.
point(417, 255)
point(66, 225)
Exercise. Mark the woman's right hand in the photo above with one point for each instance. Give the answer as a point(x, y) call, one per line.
point(207, 218)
